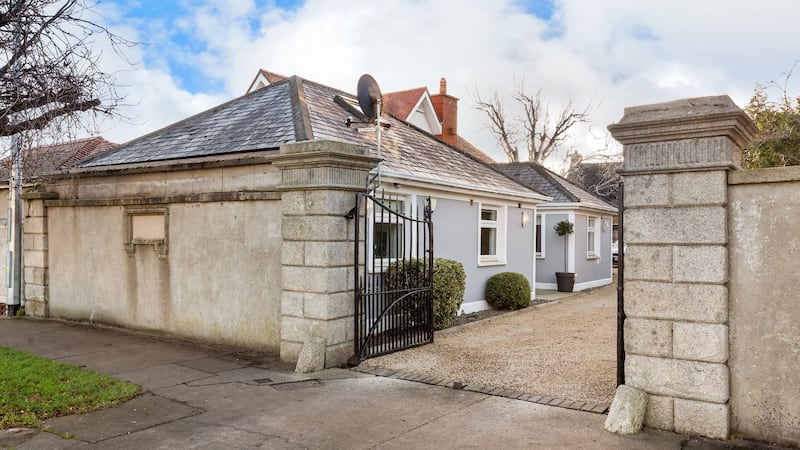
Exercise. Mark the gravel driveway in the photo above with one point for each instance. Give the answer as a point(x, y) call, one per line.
point(565, 349)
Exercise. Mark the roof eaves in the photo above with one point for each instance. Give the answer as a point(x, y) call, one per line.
point(530, 195)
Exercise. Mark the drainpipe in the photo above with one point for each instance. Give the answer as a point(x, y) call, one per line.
point(14, 259)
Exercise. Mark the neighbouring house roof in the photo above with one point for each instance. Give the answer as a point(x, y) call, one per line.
point(296, 109)
point(51, 158)
point(414, 106)
point(538, 177)
point(402, 103)
point(264, 78)
point(473, 151)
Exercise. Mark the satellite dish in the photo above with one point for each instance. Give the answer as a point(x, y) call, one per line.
point(369, 94)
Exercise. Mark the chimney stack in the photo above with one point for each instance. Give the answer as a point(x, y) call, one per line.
point(446, 107)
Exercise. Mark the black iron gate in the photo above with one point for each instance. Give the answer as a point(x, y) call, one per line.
point(393, 275)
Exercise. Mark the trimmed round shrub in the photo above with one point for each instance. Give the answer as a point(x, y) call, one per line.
point(449, 282)
point(508, 290)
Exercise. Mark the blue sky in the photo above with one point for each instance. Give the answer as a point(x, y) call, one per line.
point(167, 38)
point(196, 54)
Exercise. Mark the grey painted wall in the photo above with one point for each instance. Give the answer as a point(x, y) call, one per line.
point(587, 269)
point(553, 261)
point(592, 269)
point(456, 237)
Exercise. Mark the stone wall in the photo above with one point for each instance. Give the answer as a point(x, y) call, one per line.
point(189, 252)
point(764, 304)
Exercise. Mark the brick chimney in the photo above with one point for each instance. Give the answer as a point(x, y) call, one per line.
point(446, 107)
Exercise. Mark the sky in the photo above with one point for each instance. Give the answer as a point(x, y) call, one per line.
point(194, 54)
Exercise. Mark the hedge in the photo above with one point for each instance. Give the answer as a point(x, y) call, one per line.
point(449, 282)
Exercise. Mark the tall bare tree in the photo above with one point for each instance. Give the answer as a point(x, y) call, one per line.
point(537, 130)
point(49, 71)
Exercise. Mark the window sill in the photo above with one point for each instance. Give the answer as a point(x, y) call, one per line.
point(541, 257)
point(590, 257)
point(491, 263)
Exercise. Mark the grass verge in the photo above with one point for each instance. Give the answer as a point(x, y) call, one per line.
point(34, 388)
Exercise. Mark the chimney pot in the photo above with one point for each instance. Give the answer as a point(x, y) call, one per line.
point(443, 86)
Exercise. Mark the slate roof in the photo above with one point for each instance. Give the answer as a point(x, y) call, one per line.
point(54, 157)
point(473, 151)
point(295, 109)
point(538, 177)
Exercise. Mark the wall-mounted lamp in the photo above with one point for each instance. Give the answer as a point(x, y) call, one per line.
point(432, 203)
point(605, 225)
point(396, 185)
point(525, 219)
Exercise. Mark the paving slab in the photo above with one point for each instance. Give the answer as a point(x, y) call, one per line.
point(138, 414)
point(151, 378)
point(497, 422)
point(212, 365)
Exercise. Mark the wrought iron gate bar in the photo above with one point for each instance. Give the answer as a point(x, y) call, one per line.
point(393, 277)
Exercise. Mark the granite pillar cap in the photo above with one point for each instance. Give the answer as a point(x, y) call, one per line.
point(687, 118)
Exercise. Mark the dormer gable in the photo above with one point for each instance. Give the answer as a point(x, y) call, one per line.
point(415, 107)
point(264, 78)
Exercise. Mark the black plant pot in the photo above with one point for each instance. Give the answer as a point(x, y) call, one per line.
point(566, 281)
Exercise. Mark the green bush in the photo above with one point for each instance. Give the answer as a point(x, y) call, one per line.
point(508, 290)
point(449, 282)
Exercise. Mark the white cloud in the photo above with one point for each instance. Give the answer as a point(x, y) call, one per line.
point(615, 53)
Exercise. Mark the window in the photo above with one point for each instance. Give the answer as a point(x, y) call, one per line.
point(492, 243)
point(592, 237)
point(388, 234)
point(539, 236)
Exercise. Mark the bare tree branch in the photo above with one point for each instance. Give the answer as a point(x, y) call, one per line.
point(49, 72)
point(505, 137)
point(543, 136)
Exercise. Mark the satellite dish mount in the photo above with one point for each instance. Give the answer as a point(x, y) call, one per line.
point(371, 100)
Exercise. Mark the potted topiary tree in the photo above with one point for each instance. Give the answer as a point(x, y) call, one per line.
point(565, 279)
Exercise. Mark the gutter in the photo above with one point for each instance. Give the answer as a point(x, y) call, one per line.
point(465, 188)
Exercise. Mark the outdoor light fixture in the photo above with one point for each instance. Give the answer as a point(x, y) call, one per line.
point(525, 219)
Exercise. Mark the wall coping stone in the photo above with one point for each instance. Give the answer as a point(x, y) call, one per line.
point(768, 175)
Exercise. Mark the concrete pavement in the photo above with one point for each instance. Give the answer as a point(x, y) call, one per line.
point(204, 396)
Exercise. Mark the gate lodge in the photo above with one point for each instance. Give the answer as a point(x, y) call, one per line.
point(221, 231)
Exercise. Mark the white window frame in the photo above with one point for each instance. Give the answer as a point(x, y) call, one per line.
point(541, 223)
point(380, 265)
point(499, 225)
point(593, 236)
